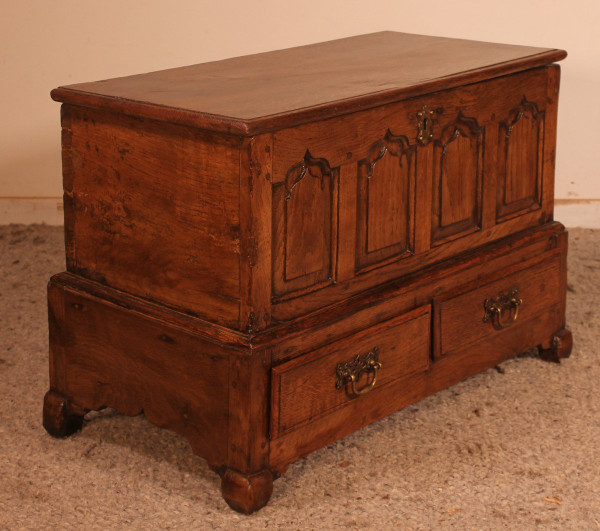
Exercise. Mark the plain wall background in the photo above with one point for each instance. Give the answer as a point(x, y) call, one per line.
point(45, 44)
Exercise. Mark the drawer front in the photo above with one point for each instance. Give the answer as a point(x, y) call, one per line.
point(496, 308)
point(322, 381)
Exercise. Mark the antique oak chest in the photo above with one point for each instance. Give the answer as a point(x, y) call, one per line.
point(267, 253)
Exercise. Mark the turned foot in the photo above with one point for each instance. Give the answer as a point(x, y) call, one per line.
point(560, 346)
point(246, 494)
point(61, 418)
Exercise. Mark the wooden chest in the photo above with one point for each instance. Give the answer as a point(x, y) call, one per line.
point(266, 253)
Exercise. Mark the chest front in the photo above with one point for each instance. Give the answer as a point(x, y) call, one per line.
point(361, 199)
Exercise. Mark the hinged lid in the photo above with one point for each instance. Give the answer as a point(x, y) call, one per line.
point(256, 93)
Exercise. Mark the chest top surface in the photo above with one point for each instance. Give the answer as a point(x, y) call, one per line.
point(256, 93)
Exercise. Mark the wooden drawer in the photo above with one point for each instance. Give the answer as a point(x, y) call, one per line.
point(462, 317)
point(313, 385)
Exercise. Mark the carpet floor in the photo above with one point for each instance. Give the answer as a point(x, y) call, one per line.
point(517, 447)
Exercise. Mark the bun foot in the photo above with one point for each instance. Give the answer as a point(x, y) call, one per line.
point(560, 346)
point(61, 418)
point(246, 494)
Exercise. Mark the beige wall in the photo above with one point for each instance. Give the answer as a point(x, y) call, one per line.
point(44, 44)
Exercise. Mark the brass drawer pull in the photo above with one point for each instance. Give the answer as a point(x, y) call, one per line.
point(350, 372)
point(504, 304)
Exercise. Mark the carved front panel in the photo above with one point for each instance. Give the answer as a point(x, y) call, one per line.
point(418, 182)
point(385, 209)
point(457, 180)
point(520, 148)
point(304, 227)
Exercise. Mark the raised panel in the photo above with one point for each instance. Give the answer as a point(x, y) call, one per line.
point(304, 227)
point(457, 180)
point(520, 153)
point(386, 197)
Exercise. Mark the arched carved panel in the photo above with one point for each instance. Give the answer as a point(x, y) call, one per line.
point(304, 227)
point(457, 181)
point(386, 201)
point(520, 152)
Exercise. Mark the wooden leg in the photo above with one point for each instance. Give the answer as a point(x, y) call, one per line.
point(61, 418)
point(246, 494)
point(560, 346)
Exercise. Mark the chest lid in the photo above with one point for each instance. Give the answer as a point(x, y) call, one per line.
point(267, 91)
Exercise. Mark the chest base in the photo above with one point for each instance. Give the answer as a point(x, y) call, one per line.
point(251, 404)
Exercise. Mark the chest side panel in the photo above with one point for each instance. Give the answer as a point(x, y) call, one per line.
point(153, 209)
point(417, 182)
point(107, 355)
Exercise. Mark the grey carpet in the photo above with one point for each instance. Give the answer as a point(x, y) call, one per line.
point(516, 449)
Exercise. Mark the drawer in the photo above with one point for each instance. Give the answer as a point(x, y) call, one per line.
point(496, 308)
point(321, 381)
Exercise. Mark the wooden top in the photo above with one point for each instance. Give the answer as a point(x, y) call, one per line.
point(256, 93)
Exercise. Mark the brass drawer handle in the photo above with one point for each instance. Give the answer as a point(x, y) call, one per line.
point(504, 304)
point(350, 372)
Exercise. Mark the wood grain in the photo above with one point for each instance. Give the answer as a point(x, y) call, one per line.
point(256, 237)
point(305, 223)
point(386, 182)
point(538, 287)
point(287, 310)
point(154, 211)
point(225, 416)
point(106, 356)
point(457, 180)
point(449, 208)
point(370, 307)
point(520, 159)
point(244, 493)
point(304, 389)
point(253, 94)
point(348, 138)
point(445, 372)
